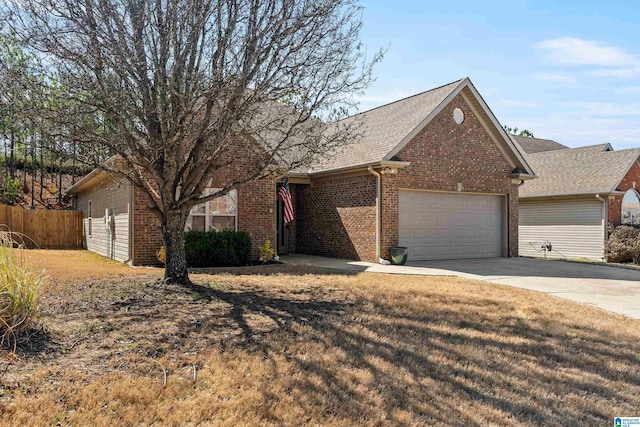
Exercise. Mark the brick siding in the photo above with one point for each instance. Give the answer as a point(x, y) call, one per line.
point(615, 205)
point(147, 235)
point(336, 216)
point(291, 227)
point(256, 215)
point(444, 154)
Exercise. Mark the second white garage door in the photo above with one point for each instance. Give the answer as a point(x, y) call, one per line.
point(450, 225)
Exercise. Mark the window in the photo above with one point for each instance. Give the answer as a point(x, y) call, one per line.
point(89, 230)
point(218, 214)
point(631, 208)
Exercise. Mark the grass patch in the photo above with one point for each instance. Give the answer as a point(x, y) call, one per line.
point(278, 345)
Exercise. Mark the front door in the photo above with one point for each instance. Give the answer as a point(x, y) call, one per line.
point(282, 245)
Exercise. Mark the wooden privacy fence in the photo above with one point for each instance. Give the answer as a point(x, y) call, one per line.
point(44, 228)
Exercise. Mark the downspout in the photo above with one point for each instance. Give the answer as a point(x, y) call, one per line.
point(131, 226)
point(378, 213)
point(604, 225)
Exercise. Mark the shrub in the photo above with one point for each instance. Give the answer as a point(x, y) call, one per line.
point(217, 248)
point(266, 251)
point(161, 255)
point(623, 244)
point(19, 288)
point(9, 190)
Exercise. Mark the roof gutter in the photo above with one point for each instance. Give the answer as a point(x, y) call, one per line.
point(522, 176)
point(570, 195)
point(363, 167)
point(93, 174)
point(87, 178)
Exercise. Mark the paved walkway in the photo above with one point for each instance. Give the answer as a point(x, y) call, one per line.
point(609, 288)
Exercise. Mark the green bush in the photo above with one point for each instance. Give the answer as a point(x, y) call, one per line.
point(19, 288)
point(9, 189)
point(623, 244)
point(217, 248)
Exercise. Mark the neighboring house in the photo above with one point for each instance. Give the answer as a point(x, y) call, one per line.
point(434, 172)
point(578, 192)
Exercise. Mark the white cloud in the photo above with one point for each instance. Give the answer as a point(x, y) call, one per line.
point(629, 89)
point(602, 109)
point(556, 77)
point(620, 73)
point(580, 130)
point(575, 51)
point(516, 103)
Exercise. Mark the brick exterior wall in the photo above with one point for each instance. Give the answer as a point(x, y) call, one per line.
point(336, 217)
point(291, 227)
point(389, 232)
point(146, 234)
point(257, 212)
point(444, 154)
point(615, 205)
point(256, 215)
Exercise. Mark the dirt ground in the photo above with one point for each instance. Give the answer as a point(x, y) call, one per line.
point(280, 345)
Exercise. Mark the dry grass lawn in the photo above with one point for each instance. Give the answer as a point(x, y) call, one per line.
point(278, 345)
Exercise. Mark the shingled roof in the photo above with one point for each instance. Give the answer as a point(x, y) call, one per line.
point(530, 145)
point(594, 169)
point(383, 130)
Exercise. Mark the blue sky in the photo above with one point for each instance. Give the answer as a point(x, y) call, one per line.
point(568, 71)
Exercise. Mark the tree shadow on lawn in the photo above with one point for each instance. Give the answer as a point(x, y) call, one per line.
point(369, 359)
point(275, 269)
point(439, 368)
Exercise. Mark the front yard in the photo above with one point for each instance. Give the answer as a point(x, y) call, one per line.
point(279, 345)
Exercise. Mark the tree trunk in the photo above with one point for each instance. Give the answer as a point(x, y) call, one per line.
point(60, 185)
point(33, 171)
point(11, 154)
point(173, 237)
point(41, 168)
point(24, 163)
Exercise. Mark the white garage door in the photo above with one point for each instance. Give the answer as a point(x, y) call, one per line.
point(450, 225)
point(575, 228)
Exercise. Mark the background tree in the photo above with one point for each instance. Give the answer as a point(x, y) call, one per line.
point(182, 90)
point(516, 131)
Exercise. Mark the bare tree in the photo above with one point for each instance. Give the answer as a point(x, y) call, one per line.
point(182, 90)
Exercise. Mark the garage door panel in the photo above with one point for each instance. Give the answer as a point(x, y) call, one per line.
point(449, 225)
point(575, 228)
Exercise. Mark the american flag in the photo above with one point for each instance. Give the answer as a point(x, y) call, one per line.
point(285, 195)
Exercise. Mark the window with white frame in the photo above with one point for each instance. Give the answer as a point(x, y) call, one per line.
point(631, 208)
point(218, 214)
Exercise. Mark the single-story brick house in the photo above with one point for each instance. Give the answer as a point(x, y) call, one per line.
point(434, 172)
point(578, 192)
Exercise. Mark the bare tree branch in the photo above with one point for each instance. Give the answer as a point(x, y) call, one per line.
point(183, 90)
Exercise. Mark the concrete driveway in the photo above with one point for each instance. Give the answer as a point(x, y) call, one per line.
point(609, 288)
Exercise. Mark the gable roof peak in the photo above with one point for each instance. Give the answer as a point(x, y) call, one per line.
point(386, 129)
point(453, 85)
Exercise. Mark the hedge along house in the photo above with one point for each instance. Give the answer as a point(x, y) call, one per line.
point(434, 172)
point(579, 191)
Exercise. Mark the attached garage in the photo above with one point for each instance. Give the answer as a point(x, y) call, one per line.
point(574, 228)
point(578, 193)
point(438, 225)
